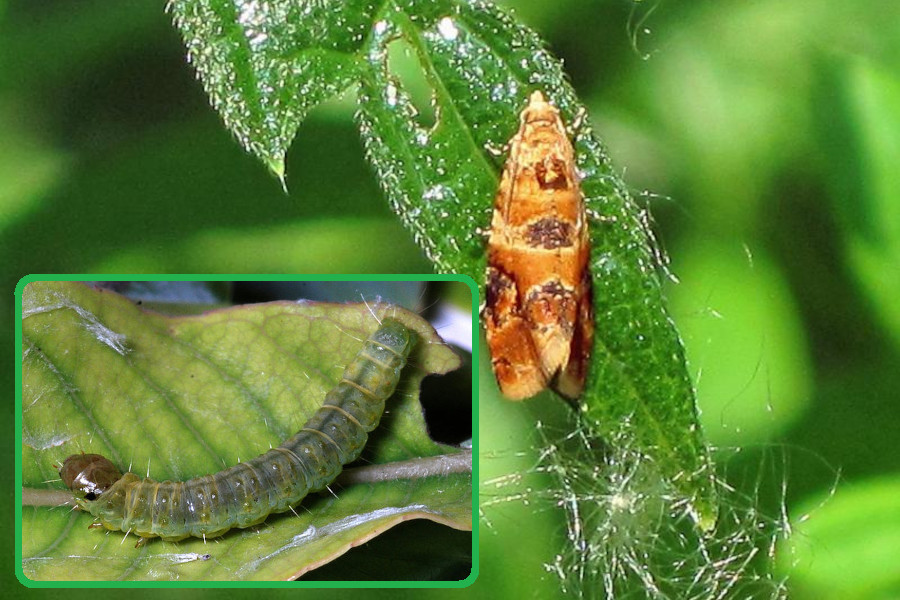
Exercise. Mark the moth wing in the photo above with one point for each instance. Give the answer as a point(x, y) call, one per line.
point(570, 381)
point(551, 312)
point(513, 355)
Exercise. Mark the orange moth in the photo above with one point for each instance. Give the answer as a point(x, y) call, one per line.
point(538, 299)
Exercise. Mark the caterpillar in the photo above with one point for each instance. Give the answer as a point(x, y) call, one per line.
point(247, 493)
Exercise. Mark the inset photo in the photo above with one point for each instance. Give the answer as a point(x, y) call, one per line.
point(246, 432)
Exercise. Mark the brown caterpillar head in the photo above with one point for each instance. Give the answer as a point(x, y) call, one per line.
point(88, 475)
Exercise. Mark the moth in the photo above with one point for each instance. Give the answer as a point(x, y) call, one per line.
point(245, 494)
point(538, 297)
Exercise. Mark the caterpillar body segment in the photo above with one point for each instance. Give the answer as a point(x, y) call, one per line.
point(245, 494)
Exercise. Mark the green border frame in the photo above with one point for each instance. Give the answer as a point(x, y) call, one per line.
point(20, 574)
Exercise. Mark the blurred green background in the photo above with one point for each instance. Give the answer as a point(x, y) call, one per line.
point(763, 136)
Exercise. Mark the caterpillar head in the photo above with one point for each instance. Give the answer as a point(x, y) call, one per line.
point(88, 476)
point(395, 335)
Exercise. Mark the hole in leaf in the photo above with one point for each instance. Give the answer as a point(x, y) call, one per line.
point(404, 65)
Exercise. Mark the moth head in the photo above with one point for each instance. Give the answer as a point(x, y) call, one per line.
point(88, 476)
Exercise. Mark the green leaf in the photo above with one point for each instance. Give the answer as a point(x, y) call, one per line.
point(846, 546)
point(441, 177)
point(330, 245)
point(27, 170)
point(441, 181)
point(861, 132)
point(80, 39)
point(745, 336)
point(186, 396)
point(265, 65)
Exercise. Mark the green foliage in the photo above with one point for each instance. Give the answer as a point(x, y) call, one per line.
point(866, 184)
point(181, 397)
point(263, 69)
point(741, 407)
point(265, 65)
point(761, 126)
point(847, 547)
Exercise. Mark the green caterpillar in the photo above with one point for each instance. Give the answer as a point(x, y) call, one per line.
point(245, 494)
